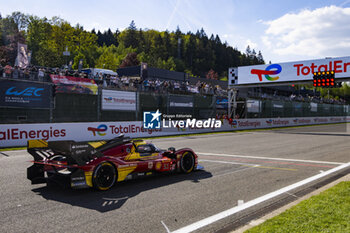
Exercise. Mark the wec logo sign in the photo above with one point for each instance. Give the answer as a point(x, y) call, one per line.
point(29, 91)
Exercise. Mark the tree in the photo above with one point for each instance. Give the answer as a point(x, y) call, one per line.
point(260, 58)
point(166, 64)
point(248, 51)
point(20, 19)
point(130, 60)
point(131, 39)
point(108, 58)
point(77, 59)
point(100, 38)
point(212, 74)
point(108, 38)
point(10, 36)
point(47, 39)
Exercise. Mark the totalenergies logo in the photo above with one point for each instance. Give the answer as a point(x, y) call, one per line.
point(99, 130)
point(269, 122)
point(234, 124)
point(270, 70)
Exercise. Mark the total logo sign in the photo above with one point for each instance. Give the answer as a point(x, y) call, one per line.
point(99, 130)
point(270, 70)
point(293, 71)
point(234, 123)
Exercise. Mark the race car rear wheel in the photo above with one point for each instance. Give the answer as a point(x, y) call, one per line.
point(104, 176)
point(187, 162)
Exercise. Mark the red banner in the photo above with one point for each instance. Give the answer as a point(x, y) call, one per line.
point(69, 84)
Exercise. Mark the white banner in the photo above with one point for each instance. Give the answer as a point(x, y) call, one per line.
point(292, 71)
point(118, 100)
point(18, 134)
point(253, 106)
point(313, 107)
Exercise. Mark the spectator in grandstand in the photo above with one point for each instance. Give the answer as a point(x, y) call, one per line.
point(146, 85)
point(41, 74)
point(108, 80)
point(33, 73)
point(8, 70)
point(1, 70)
point(100, 78)
point(123, 83)
point(158, 85)
point(15, 72)
point(26, 73)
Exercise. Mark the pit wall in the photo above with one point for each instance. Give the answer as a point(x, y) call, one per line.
point(15, 135)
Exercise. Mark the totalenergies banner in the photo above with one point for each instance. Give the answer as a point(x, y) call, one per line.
point(18, 134)
point(118, 100)
point(69, 84)
point(292, 71)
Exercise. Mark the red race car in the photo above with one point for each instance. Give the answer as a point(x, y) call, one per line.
point(101, 164)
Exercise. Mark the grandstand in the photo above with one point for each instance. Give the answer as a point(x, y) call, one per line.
point(72, 96)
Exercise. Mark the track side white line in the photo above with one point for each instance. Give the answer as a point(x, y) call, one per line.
point(218, 161)
point(229, 212)
point(165, 226)
point(270, 158)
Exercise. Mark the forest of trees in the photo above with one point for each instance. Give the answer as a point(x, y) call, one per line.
point(194, 53)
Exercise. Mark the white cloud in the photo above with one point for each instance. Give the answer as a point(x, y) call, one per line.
point(251, 44)
point(322, 32)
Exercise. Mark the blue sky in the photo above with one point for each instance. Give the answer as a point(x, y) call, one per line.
point(284, 30)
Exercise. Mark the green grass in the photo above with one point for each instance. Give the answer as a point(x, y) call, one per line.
point(13, 148)
point(327, 212)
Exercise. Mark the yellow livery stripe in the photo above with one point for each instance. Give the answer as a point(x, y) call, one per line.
point(36, 143)
point(88, 178)
point(123, 172)
point(97, 144)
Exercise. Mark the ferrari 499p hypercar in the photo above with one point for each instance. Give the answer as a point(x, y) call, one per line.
point(101, 164)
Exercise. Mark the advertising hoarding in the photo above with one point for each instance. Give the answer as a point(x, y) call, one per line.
point(69, 84)
point(180, 101)
point(221, 102)
point(24, 94)
point(180, 104)
point(254, 106)
point(18, 134)
point(292, 71)
point(118, 100)
point(313, 107)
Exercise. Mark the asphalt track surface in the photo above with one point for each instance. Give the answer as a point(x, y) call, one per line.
point(239, 167)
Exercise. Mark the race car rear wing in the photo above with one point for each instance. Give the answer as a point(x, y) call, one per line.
point(78, 153)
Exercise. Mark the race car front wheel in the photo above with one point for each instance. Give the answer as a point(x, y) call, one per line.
point(187, 162)
point(104, 176)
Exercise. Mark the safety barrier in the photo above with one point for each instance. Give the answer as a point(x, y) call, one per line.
point(17, 134)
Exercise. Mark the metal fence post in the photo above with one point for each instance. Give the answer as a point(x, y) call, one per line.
point(99, 97)
point(52, 102)
point(137, 105)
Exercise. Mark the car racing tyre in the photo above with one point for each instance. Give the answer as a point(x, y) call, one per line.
point(104, 176)
point(187, 162)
